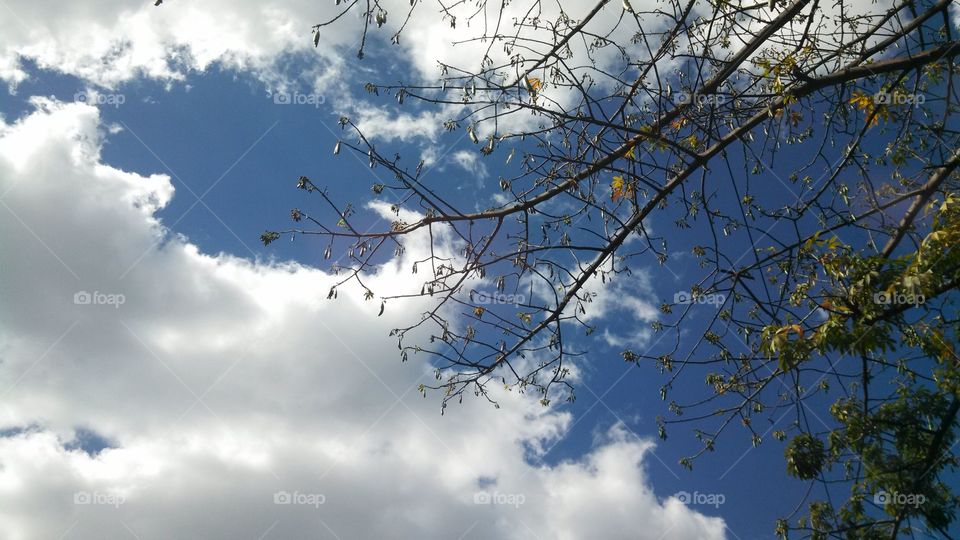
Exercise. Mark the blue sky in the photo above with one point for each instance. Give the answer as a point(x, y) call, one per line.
point(232, 156)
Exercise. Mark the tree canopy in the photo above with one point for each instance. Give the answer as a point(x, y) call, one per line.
point(804, 154)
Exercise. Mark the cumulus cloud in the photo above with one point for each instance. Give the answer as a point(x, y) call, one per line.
point(220, 386)
point(110, 42)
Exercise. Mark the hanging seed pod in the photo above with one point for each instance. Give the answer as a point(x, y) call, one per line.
point(488, 148)
point(336, 149)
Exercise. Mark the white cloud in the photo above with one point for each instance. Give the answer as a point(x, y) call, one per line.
point(109, 42)
point(470, 162)
point(222, 381)
point(637, 339)
point(379, 123)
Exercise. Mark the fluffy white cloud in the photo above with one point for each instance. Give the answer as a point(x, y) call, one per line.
point(470, 162)
point(221, 381)
point(109, 42)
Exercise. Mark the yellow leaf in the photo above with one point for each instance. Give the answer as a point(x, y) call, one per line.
point(785, 331)
point(478, 311)
point(866, 103)
point(533, 85)
point(620, 188)
point(861, 101)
